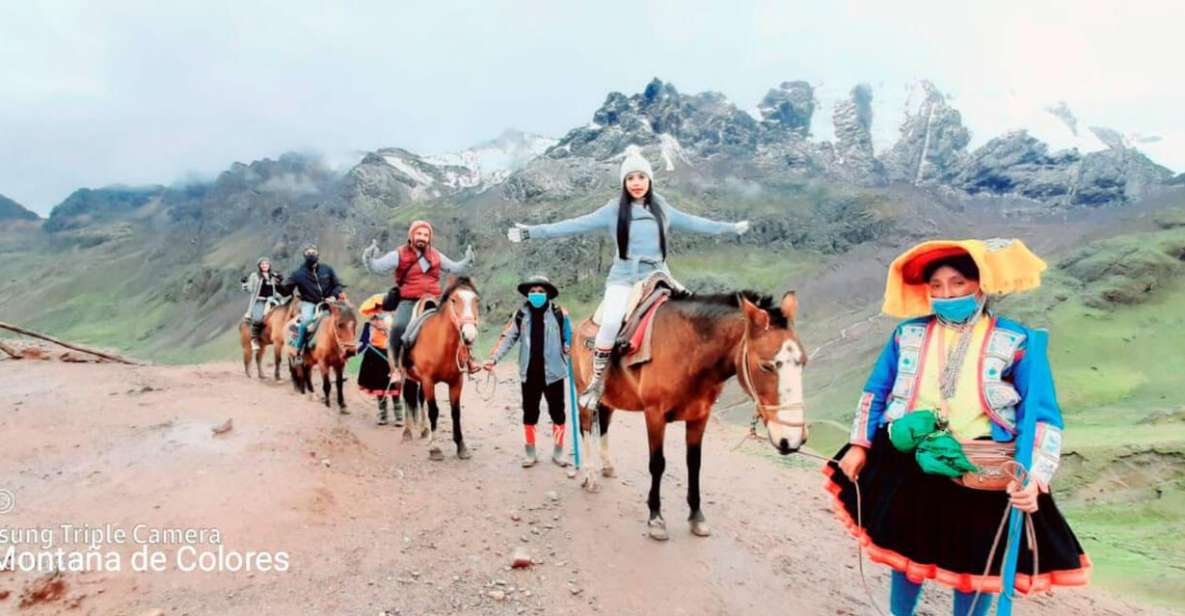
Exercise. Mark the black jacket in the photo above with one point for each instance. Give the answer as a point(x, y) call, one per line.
point(305, 281)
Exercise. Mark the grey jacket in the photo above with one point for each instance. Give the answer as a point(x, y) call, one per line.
point(645, 255)
point(555, 341)
point(254, 282)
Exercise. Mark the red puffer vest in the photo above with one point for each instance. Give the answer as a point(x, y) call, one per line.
point(413, 281)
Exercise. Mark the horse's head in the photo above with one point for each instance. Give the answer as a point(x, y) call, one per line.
point(345, 326)
point(770, 365)
point(461, 302)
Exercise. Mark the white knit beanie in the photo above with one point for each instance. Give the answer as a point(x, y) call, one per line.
point(634, 162)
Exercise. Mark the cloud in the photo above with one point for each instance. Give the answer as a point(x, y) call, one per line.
point(143, 92)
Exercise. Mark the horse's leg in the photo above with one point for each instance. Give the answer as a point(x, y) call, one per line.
point(695, 439)
point(423, 402)
point(246, 353)
point(325, 385)
point(411, 402)
point(276, 348)
point(454, 402)
point(434, 452)
point(341, 397)
point(656, 426)
point(605, 413)
point(259, 362)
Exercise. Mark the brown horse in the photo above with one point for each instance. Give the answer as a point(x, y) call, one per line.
point(332, 344)
point(700, 343)
point(441, 355)
point(271, 334)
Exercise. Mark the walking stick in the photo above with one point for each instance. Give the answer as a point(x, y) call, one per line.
point(1038, 344)
point(575, 422)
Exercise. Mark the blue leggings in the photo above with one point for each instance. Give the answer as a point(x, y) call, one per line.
point(903, 598)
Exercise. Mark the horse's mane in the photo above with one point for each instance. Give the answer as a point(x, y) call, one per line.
point(718, 306)
point(458, 283)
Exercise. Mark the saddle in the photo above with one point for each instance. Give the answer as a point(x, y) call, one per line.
point(310, 339)
point(425, 308)
point(633, 341)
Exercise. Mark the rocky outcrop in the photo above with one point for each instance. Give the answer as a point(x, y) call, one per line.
point(933, 140)
point(854, 155)
point(787, 110)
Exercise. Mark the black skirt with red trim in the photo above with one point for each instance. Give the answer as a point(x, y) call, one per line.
point(931, 528)
point(375, 373)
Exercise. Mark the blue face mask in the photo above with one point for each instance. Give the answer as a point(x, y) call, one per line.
point(537, 299)
point(955, 309)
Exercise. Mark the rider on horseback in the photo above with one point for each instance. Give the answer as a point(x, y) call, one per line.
point(316, 283)
point(262, 284)
point(418, 266)
point(639, 221)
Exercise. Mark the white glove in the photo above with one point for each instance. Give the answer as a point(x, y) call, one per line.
point(742, 227)
point(469, 252)
point(517, 233)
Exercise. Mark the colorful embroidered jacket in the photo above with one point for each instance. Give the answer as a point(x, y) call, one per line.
point(1011, 384)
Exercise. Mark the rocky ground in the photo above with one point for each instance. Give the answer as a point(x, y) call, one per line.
point(373, 527)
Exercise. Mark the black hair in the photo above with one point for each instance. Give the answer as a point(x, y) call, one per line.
point(962, 264)
point(625, 216)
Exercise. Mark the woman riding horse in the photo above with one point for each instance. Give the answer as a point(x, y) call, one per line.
point(639, 220)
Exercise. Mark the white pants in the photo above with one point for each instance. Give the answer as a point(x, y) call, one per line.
point(617, 296)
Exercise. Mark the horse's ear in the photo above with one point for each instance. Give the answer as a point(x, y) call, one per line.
point(757, 317)
point(789, 305)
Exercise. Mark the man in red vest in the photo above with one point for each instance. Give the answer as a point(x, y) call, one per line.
point(418, 266)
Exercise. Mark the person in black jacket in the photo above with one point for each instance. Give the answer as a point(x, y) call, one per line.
point(316, 283)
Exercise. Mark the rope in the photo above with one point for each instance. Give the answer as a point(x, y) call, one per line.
point(1030, 531)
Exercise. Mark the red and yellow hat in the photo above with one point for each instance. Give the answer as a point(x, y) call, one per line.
point(1005, 266)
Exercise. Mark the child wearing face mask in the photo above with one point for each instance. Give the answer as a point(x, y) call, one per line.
point(546, 334)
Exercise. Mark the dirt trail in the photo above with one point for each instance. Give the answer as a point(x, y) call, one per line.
point(372, 526)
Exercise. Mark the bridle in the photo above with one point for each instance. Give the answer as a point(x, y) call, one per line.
point(465, 349)
point(760, 409)
point(347, 347)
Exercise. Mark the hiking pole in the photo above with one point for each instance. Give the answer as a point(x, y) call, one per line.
point(575, 422)
point(1038, 344)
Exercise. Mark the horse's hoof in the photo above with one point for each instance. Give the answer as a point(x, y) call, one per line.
point(425, 434)
point(590, 483)
point(608, 471)
point(571, 472)
point(343, 410)
point(435, 454)
point(656, 528)
point(407, 436)
point(699, 525)
point(463, 452)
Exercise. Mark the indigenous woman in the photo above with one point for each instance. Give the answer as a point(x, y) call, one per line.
point(374, 375)
point(936, 428)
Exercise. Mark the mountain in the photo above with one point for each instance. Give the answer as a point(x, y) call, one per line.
point(11, 210)
point(396, 176)
point(705, 134)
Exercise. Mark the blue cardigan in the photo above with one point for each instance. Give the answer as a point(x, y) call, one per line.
point(1013, 382)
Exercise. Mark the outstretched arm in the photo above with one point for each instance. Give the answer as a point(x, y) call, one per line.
point(376, 264)
point(457, 267)
point(599, 219)
point(682, 221)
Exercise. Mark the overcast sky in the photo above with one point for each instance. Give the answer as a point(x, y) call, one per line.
point(96, 93)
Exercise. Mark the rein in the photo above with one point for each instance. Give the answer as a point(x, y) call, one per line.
point(1018, 472)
